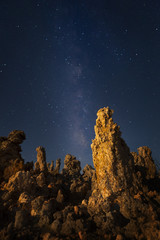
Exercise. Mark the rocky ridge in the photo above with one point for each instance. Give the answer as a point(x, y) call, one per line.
point(119, 199)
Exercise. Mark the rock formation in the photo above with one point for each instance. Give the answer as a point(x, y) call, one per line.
point(41, 159)
point(119, 199)
point(10, 157)
point(51, 166)
point(58, 165)
point(111, 156)
point(143, 160)
point(71, 165)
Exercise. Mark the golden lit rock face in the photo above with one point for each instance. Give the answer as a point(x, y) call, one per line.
point(111, 156)
point(120, 198)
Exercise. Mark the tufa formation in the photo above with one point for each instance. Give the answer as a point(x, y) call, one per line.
point(41, 164)
point(111, 156)
point(118, 200)
point(10, 157)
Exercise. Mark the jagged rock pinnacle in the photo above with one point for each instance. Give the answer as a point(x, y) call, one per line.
point(118, 200)
point(111, 156)
point(41, 159)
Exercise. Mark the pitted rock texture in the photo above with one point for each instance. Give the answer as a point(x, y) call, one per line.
point(10, 157)
point(71, 165)
point(111, 156)
point(41, 159)
point(143, 160)
point(58, 165)
point(119, 200)
point(22, 181)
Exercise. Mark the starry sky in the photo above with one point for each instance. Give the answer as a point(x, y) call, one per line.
point(62, 60)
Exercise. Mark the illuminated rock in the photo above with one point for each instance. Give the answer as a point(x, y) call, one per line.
point(119, 199)
point(22, 181)
point(24, 198)
point(111, 156)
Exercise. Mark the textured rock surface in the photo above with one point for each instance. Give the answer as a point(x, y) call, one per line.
point(57, 167)
point(111, 156)
point(118, 200)
point(41, 159)
point(22, 181)
point(143, 160)
point(71, 165)
point(10, 158)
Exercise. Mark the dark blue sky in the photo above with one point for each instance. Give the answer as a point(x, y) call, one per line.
point(63, 60)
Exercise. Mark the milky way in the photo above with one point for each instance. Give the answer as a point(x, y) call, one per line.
point(63, 60)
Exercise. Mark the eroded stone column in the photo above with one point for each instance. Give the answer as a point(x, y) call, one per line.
point(58, 165)
point(111, 156)
point(41, 159)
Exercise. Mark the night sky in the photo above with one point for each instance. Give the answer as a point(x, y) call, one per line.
point(62, 60)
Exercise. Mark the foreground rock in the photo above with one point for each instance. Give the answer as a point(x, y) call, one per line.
point(10, 157)
point(111, 156)
point(119, 199)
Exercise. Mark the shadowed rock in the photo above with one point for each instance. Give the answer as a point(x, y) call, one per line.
point(71, 165)
point(41, 159)
point(144, 162)
point(10, 157)
point(51, 167)
point(57, 167)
